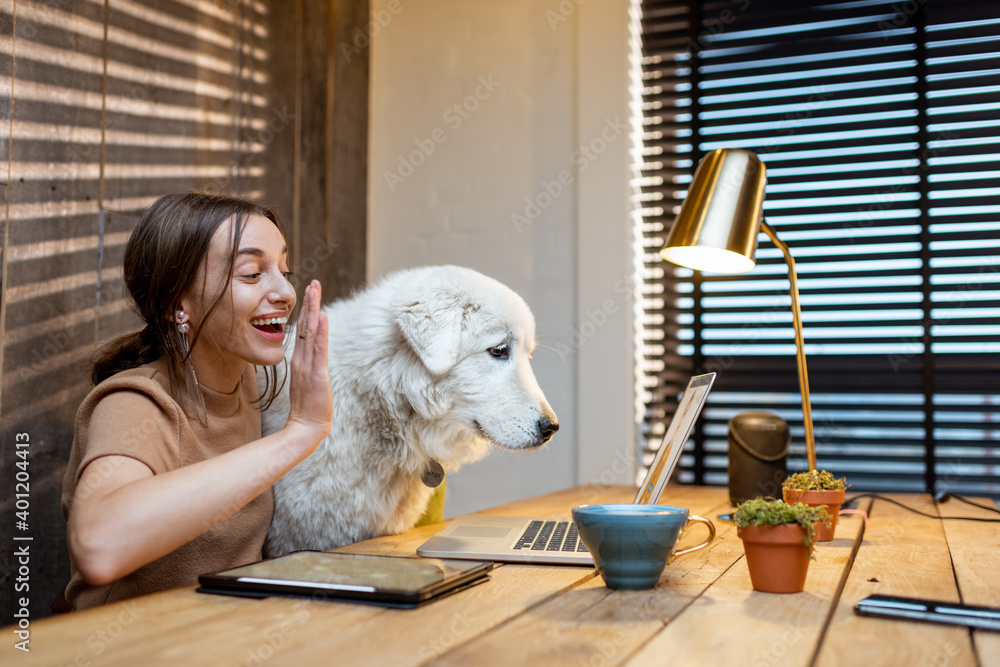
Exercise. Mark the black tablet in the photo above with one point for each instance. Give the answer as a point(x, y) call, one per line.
point(384, 580)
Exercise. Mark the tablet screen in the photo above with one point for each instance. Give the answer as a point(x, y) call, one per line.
point(357, 572)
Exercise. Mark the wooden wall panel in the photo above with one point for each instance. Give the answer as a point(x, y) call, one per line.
point(314, 207)
point(112, 104)
point(316, 121)
point(348, 146)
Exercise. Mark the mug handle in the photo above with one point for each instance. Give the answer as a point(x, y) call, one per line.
point(711, 535)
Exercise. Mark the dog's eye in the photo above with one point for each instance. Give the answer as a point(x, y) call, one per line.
point(499, 352)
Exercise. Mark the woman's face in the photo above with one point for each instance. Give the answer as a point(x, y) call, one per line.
point(248, 325)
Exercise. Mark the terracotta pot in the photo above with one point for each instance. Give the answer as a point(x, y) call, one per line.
point(831, 499)
point(776, 556)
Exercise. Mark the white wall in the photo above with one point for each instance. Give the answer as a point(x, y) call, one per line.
point(499, 141)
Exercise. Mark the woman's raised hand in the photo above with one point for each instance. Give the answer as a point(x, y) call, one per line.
point(309, 385)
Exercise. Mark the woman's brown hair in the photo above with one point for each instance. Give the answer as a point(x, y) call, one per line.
point(162, 259)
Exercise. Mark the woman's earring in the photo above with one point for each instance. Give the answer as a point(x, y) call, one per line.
point(190, 377)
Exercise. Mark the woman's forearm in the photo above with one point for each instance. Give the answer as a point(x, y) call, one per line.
point(154, 515)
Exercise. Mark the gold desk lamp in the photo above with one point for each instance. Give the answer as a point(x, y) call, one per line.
point(716, 230)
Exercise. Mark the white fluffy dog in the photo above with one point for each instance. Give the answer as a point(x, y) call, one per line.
point(429, 366)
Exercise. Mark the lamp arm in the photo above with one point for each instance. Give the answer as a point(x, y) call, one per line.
point(800, 353)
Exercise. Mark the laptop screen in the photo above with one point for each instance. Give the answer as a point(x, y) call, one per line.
point(673, 442)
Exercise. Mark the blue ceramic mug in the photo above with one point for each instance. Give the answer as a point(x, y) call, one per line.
point(631, 544)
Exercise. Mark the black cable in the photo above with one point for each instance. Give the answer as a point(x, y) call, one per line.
point(969, 502)
point(929, 516)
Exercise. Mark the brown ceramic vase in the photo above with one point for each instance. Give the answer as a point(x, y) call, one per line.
point(776, 556)
point(830, 499)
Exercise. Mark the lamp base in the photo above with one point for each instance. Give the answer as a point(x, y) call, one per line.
point(758, 451)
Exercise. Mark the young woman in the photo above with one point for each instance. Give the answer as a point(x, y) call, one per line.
point(168, 476)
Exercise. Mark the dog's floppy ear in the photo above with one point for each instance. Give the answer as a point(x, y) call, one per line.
point(435, 333)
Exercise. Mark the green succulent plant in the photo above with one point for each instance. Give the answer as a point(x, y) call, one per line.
point(814, 480)
point(771, 512)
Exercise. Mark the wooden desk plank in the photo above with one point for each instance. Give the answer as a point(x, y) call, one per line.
point(281, 631)
point(732, 624)
point(902, 554)
point(182, 627)
point(975, 555)
point(403, 638)
point(146, 629)
point(83, 636)
point(252, 635)
point(590, 624)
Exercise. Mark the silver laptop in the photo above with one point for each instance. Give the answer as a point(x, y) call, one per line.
point(528, 540)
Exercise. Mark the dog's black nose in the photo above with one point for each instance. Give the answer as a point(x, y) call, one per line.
point(547, 427)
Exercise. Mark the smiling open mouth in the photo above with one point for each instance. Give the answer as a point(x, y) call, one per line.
point(271, 325)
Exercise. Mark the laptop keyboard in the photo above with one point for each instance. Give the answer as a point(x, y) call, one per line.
point(551, 536)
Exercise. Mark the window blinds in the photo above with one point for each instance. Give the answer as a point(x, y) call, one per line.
point(879, 124)
point(107, 106)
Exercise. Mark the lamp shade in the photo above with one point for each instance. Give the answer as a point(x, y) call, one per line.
point(717, 227)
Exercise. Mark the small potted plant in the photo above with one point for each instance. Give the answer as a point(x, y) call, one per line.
point(817, 488)
point(778, 542)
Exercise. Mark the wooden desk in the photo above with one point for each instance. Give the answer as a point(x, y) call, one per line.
point(703, 612)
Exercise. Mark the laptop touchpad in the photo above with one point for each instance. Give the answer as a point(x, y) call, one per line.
point(480, 531)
